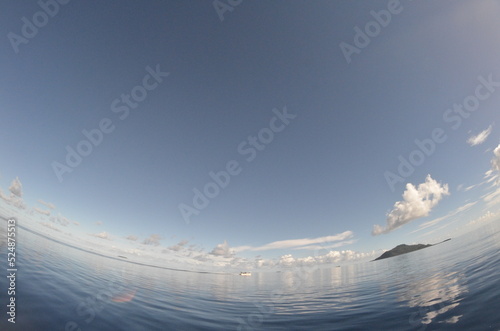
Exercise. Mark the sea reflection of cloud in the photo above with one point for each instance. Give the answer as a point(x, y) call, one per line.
point(434, 296)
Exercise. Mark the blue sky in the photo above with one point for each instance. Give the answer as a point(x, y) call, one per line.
point(319, 179)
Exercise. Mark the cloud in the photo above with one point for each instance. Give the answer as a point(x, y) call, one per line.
point(47, 204)
point(76, 223)
point(13, 200)
point(297, 243)
point(16, 188)
point(468, 188)
point(132, 237)
point(480, 137)
point(417, 202)
point(3, 196)
point(178, 246)
point(450, 214)
point(495, 162)
point(98, 223)
point(153, 240)
point(41, 211)
point(331, 257)
point(16, 192)
point(102, 235)
point(486, 217)
point(319, 247)
point(222, 250)
point(60, 219)
point(50, 226)
point(492, 198)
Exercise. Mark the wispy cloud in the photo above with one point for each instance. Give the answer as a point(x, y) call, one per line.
point(180, 245)
point(297, 243)
point(417, 202)
point(320, 247)
point(495, 162)
point(102, 235)
point(50, 226)
point(132, 238)
point(486, 217)
point(450, 214)
point(153, 240)
point(47, 204)
point(480, 137)
point(493, 198)
point(60, 219)
point(42, 211)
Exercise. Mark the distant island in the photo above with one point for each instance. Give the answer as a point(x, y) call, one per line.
point(403, 249)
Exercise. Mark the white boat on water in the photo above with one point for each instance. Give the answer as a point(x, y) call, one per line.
point(245, 273)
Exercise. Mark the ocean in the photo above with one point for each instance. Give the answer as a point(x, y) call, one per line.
point(451, 286)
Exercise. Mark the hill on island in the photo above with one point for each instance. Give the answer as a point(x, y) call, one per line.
point(403, 249)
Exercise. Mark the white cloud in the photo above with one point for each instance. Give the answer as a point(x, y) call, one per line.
point(178, 246)
point(450, 214)
point(132, 238)
point(60, 219)
point(102, 235)
point(16, 192)
point(480, 137)
point(468, 188)
point(297, 243)
point(13, 200)
point(486, 217)
point(153, 240)
point(3, 196)
point(16, 188)
point(42, 211)
point(493, 198)
point(331, 257)
point(47, 204)
point(222, 250)
point(50, 226)
point(319, 247)
point(417, 202)
point(495, 163)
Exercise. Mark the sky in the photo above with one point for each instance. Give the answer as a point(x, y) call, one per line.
point(232, 132)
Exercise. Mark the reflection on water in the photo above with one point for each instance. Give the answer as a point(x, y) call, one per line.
point(434, 296)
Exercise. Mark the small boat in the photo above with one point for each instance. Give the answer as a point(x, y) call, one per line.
point(245, 273)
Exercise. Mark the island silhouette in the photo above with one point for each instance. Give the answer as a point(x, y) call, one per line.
point(403, 249)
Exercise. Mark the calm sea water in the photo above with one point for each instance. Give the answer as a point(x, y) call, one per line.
point(451, 286)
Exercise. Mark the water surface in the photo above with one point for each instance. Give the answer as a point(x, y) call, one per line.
point(451, 286)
